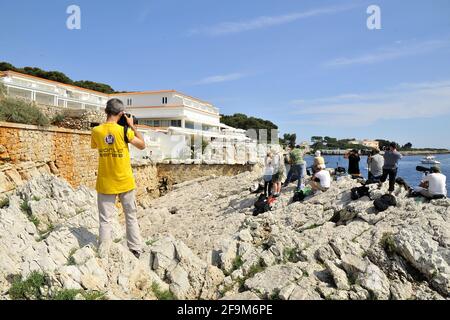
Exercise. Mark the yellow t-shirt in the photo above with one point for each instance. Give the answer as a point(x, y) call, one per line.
point(114, 166)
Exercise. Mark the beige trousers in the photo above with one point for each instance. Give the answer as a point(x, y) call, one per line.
point(107, 210)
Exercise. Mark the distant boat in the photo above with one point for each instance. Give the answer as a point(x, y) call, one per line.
point(430, 160)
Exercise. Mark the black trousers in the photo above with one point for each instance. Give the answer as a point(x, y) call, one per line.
point(372, 179)
point(268, 185)
point(392, 173)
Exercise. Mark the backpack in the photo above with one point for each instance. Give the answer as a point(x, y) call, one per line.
point(384, 202)
point(340, 170)
point(298, 196)
point(261, 205)
point(401, 182)
point(256, 187)
point(359, 192)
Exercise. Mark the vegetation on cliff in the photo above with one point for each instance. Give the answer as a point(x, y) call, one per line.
point(242, 121)
point(58, 76)
point(21, 111)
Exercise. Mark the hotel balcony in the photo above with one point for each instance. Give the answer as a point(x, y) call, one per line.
point(52, 95)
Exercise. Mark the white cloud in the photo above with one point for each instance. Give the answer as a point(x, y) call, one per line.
point(221, 78)
point(399, 50)
point(266, 21)
point(406, 101)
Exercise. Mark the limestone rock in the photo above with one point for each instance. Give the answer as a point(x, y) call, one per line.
point(339, 276)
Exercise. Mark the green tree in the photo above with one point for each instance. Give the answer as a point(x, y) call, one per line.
point(384, 144)
point(5, 66)
point(289, 139)
point(242, 121)
point(100, 87)
point(407, 146)
point(330, 139)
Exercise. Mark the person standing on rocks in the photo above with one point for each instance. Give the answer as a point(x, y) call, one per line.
point(297, 167)
point(390, 167)
point(268, 174)
point(278, 172)
point(287, 160)
point(353, 163)
point(115, 175)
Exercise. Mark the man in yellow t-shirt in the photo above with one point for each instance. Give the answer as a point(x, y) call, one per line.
point(115, 176)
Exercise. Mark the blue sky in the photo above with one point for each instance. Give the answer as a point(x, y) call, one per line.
point(312, 67)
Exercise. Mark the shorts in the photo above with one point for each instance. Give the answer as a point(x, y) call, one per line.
point(276, 177)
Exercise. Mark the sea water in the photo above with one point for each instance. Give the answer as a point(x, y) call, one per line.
point(406, 168)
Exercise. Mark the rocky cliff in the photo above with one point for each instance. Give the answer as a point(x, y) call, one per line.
point(202, 242)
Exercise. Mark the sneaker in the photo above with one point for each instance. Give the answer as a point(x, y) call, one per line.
point(137, 254)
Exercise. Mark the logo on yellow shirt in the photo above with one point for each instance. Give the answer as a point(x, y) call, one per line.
point(109, 139)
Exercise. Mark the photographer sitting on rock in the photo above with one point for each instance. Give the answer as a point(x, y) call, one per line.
point(433, 185)
point(115, 175)
point(321, 181)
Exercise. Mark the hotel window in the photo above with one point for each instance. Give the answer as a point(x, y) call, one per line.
point(175, 123)
point(129, 102)
point(189, 125)
point(165, 123)
point(164, 100)
point(156, 123)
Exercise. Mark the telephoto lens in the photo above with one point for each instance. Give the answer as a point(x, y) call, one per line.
point(423, 169)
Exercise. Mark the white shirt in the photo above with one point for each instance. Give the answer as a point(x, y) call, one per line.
point(268, 170)
point(324, 177)
point(276, 163)
point(436, 183)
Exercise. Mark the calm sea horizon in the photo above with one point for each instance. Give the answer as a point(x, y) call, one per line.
point(407, 166)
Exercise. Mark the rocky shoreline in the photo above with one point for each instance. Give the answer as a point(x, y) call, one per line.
point(202, 242)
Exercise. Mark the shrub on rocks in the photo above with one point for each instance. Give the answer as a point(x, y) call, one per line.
point(20, 111)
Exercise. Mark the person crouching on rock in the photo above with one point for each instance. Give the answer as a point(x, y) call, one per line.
point(321, 181)
point(433, 185)
point(115, 175)
point(319, 161)
point(375, 163)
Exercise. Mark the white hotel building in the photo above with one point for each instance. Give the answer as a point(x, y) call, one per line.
point(51, 93)
point(178, 113)
point(162, 115)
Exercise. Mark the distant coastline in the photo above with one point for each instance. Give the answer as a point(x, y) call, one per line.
point(419, 152)
point(424, 152)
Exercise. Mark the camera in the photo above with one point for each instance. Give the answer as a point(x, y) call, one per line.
point(123, 121)
point(424, 170)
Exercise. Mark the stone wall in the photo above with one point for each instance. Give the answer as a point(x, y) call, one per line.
point(26, 151)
